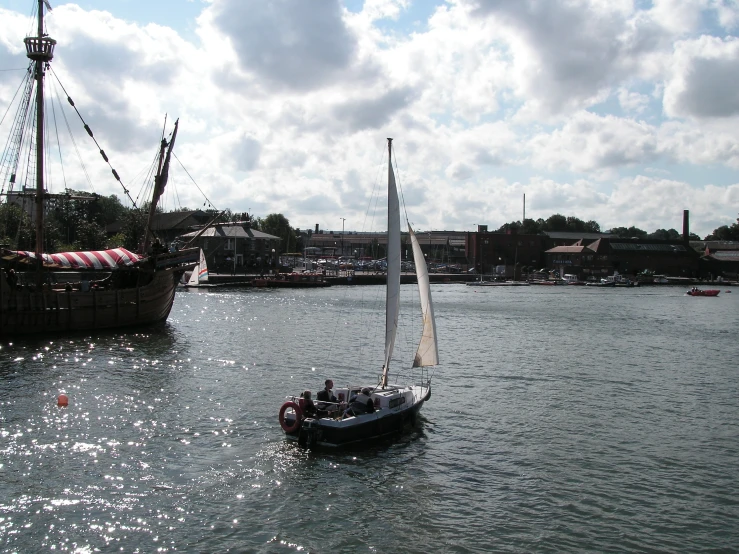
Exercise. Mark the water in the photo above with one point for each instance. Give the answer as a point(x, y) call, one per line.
point(562, 419)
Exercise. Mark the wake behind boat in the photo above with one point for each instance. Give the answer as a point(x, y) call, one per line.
point(364, 412)
point(75, 291)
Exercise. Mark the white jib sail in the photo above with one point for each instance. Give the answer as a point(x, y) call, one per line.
point(428, 351)
point(202, 268)
point(392, 307)
point(197, 272)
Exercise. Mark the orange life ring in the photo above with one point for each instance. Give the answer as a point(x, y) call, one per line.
point(298, 417)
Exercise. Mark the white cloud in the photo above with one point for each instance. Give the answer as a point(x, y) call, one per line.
point(285, 106)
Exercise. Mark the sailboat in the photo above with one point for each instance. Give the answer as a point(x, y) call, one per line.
point(79, 291)
point(199, 276)
point(386, 409)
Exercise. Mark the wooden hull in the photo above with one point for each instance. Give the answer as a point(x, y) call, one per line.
point(24, 312)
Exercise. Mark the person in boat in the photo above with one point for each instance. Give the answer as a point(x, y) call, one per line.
point(309, 408)
point(12, 278)
point(327, 402)
point(327, 395)
point(360, 404)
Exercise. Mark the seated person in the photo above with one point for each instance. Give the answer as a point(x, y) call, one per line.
point(326, 400)
point(309, 408)
point(360, 404)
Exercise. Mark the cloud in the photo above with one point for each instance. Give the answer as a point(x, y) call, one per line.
point(285, 106)
point(299, 45)
point(373, 112)
point(591, 143)
point(246, 153)
point(705, 81)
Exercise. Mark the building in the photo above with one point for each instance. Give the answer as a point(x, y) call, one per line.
point(719, 258)
point(508, 254)
point(170, 225)
point(605, 256)
point(447, 247)
point(235, 247)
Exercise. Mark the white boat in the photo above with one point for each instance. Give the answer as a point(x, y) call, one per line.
point(392, 407)
point(199, 276)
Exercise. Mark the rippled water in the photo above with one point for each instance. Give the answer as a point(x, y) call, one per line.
point(562, 419)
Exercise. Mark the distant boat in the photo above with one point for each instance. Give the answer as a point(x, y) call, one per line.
point(504, 284)
point(78, 291)
point(385, 409)
point(199, 276)
point(601, 283)
point(292, 281)
point(695, 291)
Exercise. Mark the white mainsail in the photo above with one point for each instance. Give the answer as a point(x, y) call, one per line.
point(199, 272)
point(392, 307)
point(428, 351)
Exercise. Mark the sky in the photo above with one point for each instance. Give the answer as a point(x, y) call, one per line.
point(625, 112)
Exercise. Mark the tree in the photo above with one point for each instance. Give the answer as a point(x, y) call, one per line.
point(279, 226)
point(662, 234)
point(133, 227)
point(556, 222)
point(16, 229)
point(592, 226)
point(627, 233)
point(725, 232)
point(531, 227)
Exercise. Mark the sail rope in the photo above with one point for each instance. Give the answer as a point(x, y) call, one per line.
point(89, 132)
point(71, 137)
point(193, 181)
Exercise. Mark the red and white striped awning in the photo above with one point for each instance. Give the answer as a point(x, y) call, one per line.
point(98, 259)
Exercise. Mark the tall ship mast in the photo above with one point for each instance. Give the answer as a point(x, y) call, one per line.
point(74, 291)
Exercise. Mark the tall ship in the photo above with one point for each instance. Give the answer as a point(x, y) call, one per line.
point(56, 293)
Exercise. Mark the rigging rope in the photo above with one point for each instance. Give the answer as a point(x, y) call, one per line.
point(193, 180)
point(89, 132)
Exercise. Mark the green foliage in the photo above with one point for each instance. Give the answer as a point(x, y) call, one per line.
point(630, 232)
point(133, 224)
point(556, 222)
point(725, 232)
point(16, 230)
point(662, 234)
point(279, 226)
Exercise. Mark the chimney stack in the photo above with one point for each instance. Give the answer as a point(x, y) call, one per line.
point(686, 225)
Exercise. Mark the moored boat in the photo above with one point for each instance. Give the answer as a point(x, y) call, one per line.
point(77, 291)
point(292, 280)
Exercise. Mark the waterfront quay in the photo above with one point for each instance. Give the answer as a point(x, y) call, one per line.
point(374, 278)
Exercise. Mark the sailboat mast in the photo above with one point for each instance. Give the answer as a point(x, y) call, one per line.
point(392, 304)
point(40, 49)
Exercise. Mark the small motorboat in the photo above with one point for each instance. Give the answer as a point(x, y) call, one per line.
point(695, 291)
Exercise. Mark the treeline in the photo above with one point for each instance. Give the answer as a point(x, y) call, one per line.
point(78, 221)
point(558, 222)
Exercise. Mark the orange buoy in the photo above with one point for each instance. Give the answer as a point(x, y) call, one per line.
point(62, 400)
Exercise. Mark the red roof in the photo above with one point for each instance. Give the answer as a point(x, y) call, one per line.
point(98, 259)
